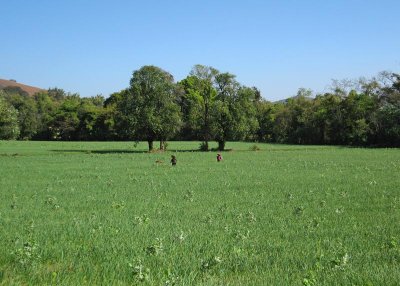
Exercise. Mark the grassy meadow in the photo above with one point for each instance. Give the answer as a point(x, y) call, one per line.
point(109, 213)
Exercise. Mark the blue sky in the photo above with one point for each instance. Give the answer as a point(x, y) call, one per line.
point(92, 47)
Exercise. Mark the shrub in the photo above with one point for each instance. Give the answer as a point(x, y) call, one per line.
point(255, 148)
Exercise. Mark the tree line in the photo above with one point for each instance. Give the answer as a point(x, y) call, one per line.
point(208, 105)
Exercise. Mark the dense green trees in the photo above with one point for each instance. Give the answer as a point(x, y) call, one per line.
point(208, 105)
point(216, 107)
point(27, 111)
point(234, 113)
point(9, 128)
point(46, 107)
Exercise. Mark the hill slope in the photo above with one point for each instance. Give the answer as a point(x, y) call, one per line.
point(31, 90)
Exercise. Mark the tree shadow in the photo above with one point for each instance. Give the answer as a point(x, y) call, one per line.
point(110, 151)
point(101, 151)
point(86, 151)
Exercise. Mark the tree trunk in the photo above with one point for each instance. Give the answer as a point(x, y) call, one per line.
point(221, 145)
point(205, 146)
point(162, 145)
point(206, 128)
point(150, 145)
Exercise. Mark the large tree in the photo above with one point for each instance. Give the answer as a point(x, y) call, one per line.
point(234, 113)
point(150, 106)
point(217, 107)
point(202, 93)
point(196, 105)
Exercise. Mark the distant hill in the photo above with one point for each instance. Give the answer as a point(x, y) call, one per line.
point(31, 90)
point(284, 101)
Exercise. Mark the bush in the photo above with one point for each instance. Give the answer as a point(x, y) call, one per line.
point(203, 146)
point(254, 148)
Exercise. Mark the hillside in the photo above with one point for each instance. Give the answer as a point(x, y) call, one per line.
point(31, 90)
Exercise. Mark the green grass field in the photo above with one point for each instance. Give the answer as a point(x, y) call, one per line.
point(81, 213)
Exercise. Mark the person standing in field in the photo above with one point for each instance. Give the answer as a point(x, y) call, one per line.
point(173, 160)
point(219, 157)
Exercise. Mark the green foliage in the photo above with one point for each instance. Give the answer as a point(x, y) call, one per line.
point(65, 121)
point(149, 107)
point(57, 94)
point(9, 128)
point(254, 148)
point(389, 124)
point(265, 115)
point(209, 105)
point(27, 111)
point(46, 108)
point(198, 101)
point(89, 111)
point(215, 106)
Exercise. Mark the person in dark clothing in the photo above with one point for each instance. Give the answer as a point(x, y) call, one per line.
point(219, 157)
point(173, 160)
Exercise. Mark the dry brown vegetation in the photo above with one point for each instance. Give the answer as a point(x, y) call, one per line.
point(31, 90)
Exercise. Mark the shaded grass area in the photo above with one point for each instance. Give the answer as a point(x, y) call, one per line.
point(111, 214)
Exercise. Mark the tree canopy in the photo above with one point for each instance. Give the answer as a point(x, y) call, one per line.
point(9, 128)
point(150, 107)
point(209, 105)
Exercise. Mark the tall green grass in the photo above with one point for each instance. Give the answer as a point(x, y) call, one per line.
point(96, 213)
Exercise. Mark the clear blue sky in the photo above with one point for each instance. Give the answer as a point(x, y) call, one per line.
point(92, 47)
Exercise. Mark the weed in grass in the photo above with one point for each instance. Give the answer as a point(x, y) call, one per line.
point(52, 203)
point(14, 202)
point(239, 217)
point(140, 220)
point(240, 259)
point(118, 205)
point(180, 237)
point(298, 211)
point(97, 229)
point(210, 263)
point(310, 279)
point(189, 196)
point(139, 272)
point(392, 243)
point(156, 248)
point(251, 217)
point(392, 250)
point(241, 234)
point(312, 225)
point(340, 262)
point(27, 254)
point(113, 230)
point(208, 219)
point(172, 279)
point(289, 197)
point(339, 210)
